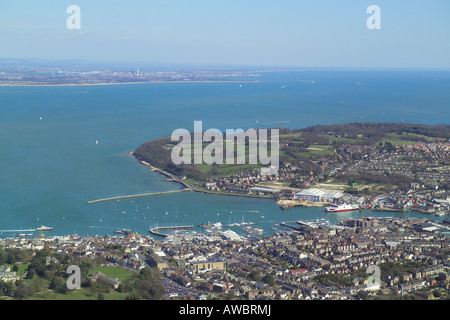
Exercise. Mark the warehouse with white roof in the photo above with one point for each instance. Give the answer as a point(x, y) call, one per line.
point(318, 195)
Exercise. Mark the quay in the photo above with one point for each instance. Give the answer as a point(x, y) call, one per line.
point(20, 230)
point(137, 195)
point(156, 229)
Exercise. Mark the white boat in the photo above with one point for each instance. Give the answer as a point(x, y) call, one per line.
point(342, 207)
point(44, 228)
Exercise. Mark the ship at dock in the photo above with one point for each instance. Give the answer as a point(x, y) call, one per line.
point(342, 208)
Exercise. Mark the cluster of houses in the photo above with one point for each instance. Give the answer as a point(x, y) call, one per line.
point(286, 265)
point(427, 163)
point(293, 259)
point(252, 182)
point(424, 201)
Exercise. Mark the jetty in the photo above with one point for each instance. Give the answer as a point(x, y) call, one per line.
point(155, 230)
point(137, 195)
point(19, 230)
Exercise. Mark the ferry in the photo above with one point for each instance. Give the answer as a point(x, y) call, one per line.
point(44, 228)
point(342, 207)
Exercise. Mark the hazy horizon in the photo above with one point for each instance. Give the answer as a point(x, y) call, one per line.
point(124, 63)
point(283, 34)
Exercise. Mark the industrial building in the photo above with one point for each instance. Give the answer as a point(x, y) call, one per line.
point(262, 190)
point(318, 195)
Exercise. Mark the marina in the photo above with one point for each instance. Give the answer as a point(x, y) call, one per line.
point(156, 229)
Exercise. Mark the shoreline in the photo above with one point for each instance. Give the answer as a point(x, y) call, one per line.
point(170, 178)
point(115, 83)
point(160, 171)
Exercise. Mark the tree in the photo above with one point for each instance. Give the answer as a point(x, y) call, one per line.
point(22, 291)
point(269, 280)
point(58, 284)
point(3, 256)
point(362, 295)
point(11, 258)
point(6, 288)
point(133, 296)
point(255, 275)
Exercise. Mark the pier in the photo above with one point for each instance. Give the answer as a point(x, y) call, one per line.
point(19, 230)
point(155, 230)
point(137, 195)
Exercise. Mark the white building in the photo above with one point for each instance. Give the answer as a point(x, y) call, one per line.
point(318, 195)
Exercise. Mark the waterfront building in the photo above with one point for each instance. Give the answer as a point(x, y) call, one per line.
point(318, 195)
point(264, 190)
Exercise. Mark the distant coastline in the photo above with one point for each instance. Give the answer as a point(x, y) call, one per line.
point(126, 83)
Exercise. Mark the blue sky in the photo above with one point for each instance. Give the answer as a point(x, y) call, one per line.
point(285, 33)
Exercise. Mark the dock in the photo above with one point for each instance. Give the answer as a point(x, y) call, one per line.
point(19, 230)
point(137, 195)
point(155, 230)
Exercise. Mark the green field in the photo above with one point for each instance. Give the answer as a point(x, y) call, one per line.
point(78, 294)
point(22, 268)
point(320, 150)
point(225, 169)
point(113, 272)
point(294, 135)
point(397, 139)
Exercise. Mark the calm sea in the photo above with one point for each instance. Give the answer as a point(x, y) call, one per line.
point(51, 163)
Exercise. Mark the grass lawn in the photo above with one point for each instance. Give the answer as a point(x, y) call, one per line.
point(22, 268)
point(396, 141)
point(291, 135)
point(225, 169)
point(400, 139)
point(407, 135)
point(80, 294)
point(320, 149)
point(114, 272)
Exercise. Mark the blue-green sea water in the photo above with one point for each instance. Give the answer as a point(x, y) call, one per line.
point(51, 165)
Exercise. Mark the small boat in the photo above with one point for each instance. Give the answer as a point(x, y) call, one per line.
point(44, 228)
point(205, 225)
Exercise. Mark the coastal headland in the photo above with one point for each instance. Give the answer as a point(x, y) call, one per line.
point(360, 160)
